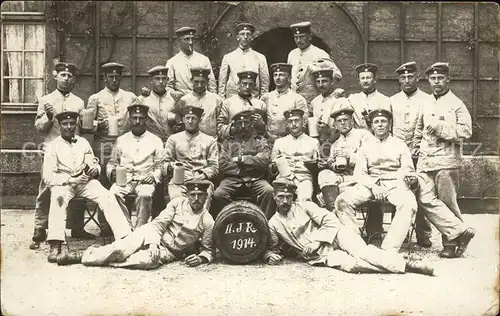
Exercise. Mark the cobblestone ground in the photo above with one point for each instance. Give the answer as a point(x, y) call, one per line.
point(32, 286)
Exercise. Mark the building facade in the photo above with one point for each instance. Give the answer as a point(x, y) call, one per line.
point(37, 34)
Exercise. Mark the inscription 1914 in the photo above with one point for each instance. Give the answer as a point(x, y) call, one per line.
point(241, 242)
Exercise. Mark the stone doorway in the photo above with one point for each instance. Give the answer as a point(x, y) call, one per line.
point(276, 43)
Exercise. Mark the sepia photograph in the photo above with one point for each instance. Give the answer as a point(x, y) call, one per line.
point(250, 158)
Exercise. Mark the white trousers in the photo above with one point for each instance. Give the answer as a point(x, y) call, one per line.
point(94, 191)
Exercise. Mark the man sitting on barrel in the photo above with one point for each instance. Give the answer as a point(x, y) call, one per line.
point(290, 152)
point(243, 162)
point(171, 236)
point(139, 154)
point(339, 166)
point(319, 238)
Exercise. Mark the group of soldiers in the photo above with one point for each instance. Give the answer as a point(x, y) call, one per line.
point(206, 147)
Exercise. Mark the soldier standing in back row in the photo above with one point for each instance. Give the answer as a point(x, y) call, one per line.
point(200, 97)
point(240, 102)
point(281, 100)
point(243, 58)
point(446, 122)
point(161, 105)
point(407, 106)
point(369, 98)
point(179, 66)
point(301, 59)
point(60, 100)
point(108, 104)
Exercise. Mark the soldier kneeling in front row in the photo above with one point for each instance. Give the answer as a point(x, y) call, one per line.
point(171, 236)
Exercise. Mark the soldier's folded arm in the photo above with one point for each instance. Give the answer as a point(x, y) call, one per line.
point(455, 131)
point(262, 158)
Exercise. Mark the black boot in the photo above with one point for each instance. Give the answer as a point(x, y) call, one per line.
point(69, 258)
point(417, 266)
point(330, 193)
point(81, 234)
point(39, 235)
point(55, 250)
point(424, 242)
point(448, 252)
point(463, 241)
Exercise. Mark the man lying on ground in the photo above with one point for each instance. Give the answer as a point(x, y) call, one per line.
point(319, 237)
point(171, 236)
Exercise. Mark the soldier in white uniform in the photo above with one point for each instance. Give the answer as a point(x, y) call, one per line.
point(407, 106)
point(302, 57)
point(281, 99)
point(327, 102)
point(369, 98)
point(60, 100)
point(241, 102)
point(383, 164)
point(179, 66)
point(210, 102)
point(162, 111)
point(383, 168)
point(339, 166)
point(196, 151)
point(318, 237)
point(141, 153)
point(174, 235)
point(240, 59)
point(112, 101)
point(446, 122)
point(70, 169)
point(296, 148)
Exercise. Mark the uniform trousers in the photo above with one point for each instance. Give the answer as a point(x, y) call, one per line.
point(94, 191)
point(143, 201)
point(397, 194)
point(356, 256)
point(328, 177)
point(128, 252)
point(304, 185)
point(436, 196)
point(103, 146)
point(42, 206)
point(260, 191)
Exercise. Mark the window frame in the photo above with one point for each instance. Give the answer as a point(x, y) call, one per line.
point(22, 18)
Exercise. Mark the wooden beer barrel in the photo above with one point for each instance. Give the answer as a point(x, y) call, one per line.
point(241, 232)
